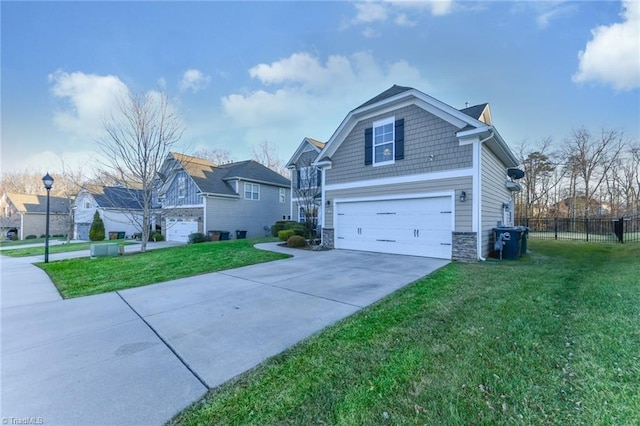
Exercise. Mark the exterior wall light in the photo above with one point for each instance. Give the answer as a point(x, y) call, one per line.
point(463, 197)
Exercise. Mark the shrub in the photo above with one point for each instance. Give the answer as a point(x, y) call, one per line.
point(14, 237)
point(156, 236)
point(96, 232)
point(281, 225)
point(58, 235)
point(297, 228)
point(285, 234)
point(296, 241)
point(197, 237)
point(30, 237)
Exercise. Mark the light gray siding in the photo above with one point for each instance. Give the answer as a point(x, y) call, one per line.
point(462, 209)
point(494, 193)
point(231, 214)
point(425, 135)
point(191, 195)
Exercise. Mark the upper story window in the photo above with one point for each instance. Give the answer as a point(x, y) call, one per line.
point(282, 195)
point(251, 191)
point(383, 142)
point(87, 205)
point(182, 187)
point(308, 177)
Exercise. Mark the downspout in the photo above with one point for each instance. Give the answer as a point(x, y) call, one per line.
point(478, 243)
point(324, 206)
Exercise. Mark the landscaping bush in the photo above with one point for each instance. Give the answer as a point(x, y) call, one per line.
point(281, 225)
point(156, 236)
point(31, 237)
point(297, 228)
point(197, 237)
point(296, 241)
point(58, 235)
point(96, 232)
point(285, 234)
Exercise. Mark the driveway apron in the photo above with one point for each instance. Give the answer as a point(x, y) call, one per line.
point(140, 356)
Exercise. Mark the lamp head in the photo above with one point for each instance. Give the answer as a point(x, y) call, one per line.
point(47, 180)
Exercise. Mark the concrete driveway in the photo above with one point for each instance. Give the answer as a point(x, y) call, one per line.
point(140, 356)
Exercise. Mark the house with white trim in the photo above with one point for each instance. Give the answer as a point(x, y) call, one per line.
point(408, 174)
point(199, 196)
point(306, 190)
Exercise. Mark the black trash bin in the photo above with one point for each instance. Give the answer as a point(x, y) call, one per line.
point(241, 234)
point(224, 235)
point(511, 245)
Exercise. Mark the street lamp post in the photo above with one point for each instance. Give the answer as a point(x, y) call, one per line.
point(48, 183)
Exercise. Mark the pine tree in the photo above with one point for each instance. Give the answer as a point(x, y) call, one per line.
point(96, 233)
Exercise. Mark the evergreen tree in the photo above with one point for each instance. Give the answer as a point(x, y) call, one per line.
point(96, 233)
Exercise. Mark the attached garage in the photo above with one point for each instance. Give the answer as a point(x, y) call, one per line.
point(179, 229)
point(417, 226)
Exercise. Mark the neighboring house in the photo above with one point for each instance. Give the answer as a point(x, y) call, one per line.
point(28, 214)
point(306, 178)
point(405, 173)
point(120, 209)
point(200, 196)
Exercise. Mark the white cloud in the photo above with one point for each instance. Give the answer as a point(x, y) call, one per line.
point(550, 10)
point(612, 56)
point(305, 96)
point(91, 98)
point(367, 12)
point(371, 12)
point(194, 80)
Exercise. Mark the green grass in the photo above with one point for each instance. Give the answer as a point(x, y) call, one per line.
point(553, 338)
point(85, 276)
point(11, 243)
point(58, 248)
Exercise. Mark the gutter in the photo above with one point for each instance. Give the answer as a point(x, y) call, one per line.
point(478, 244)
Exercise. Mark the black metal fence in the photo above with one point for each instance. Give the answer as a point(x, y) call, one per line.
point(617, 230)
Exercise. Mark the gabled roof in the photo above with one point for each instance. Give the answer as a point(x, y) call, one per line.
point(306, 142)
point(28, 203)
point(471, 122)
point(116, 197)
point(392, 91)
point(212, 179)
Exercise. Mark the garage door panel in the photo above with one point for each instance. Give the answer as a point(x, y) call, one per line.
point(415, 226)
point(179, 230)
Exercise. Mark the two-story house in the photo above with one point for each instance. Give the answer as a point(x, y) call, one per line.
point(306, 178)
point(408, 174)
point(200, 196)
point(119, 207)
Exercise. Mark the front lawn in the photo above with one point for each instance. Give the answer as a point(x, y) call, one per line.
point(85, 276)
point(58, 248)
point(553, 338)
point(12, 243)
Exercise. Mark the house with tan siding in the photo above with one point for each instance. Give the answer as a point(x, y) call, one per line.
point(27, 213)
point(408, 174)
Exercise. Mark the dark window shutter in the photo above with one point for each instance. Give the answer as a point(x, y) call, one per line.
point(368, 146)
point(319, 178)
point(298, 179)
point(400, 139)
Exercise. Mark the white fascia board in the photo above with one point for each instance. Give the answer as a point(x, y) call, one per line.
point(400, 179)
point(263, 182)
point(212, 195)
point(183, 206)
point(301, 149)
point(469, 136)
point(410, 97)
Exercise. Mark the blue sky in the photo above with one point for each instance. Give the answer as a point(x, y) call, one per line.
point(240, 73)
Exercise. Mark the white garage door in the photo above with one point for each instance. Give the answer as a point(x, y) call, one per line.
point(179, 230)
point(416, 226)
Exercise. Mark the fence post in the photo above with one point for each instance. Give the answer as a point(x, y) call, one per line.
point(555, 227)
point(586, 228)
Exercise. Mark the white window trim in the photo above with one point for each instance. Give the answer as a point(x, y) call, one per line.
point(302, 217)
point(182, 186)
point(252, 186)
point(308, 177)
point(380, 123)
point(282, 195)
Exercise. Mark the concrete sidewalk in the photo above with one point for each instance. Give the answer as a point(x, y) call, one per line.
point(140, 356)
